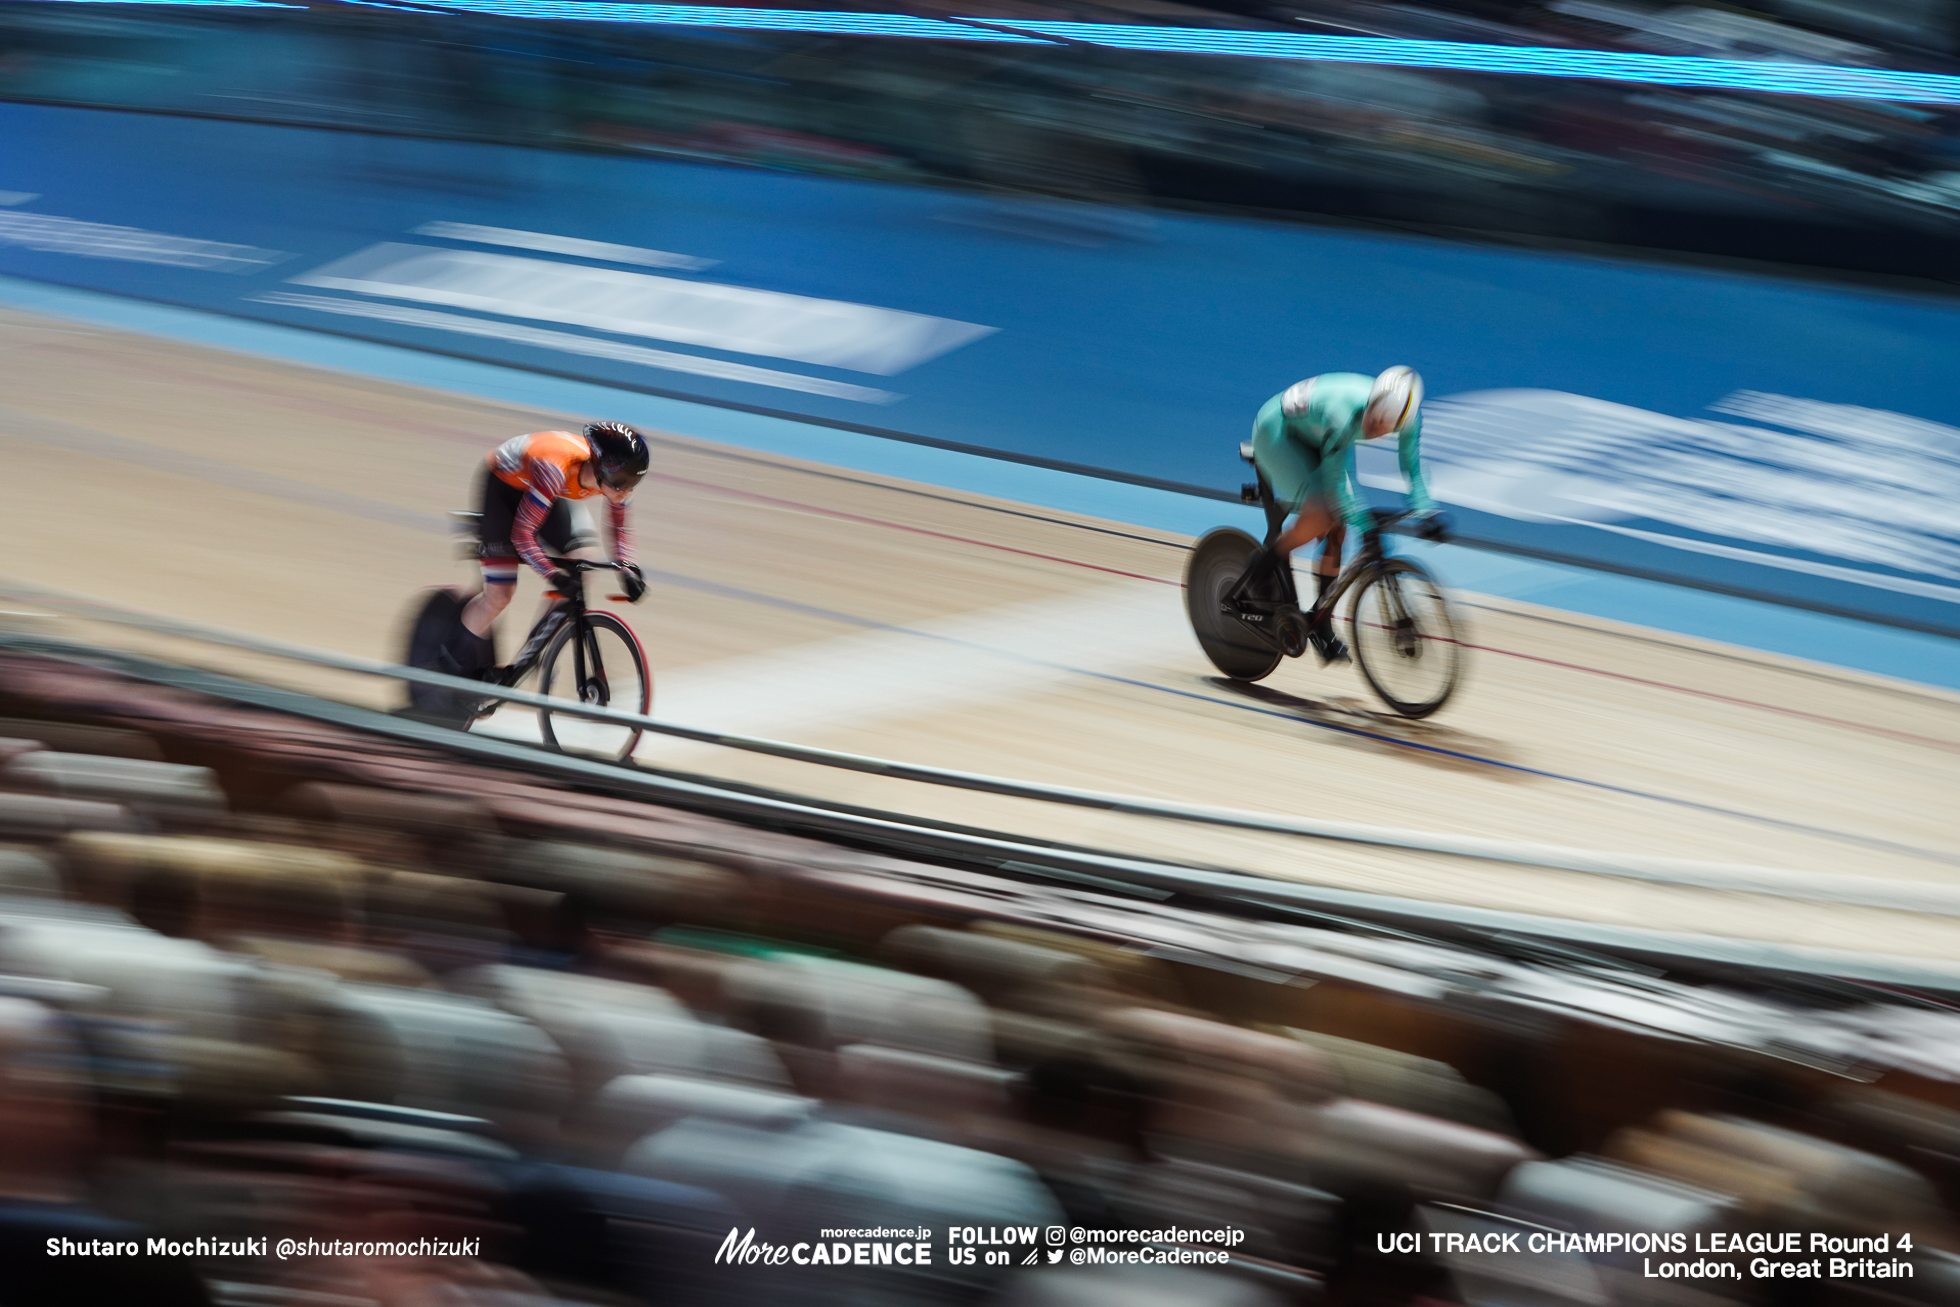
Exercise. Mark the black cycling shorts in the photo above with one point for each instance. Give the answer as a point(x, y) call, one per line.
point(565, 528)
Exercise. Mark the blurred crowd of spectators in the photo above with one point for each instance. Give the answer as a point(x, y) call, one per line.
point(1830, 183)
point(458, 1004)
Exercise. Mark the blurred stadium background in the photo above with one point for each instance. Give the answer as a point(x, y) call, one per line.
point(1848, 185)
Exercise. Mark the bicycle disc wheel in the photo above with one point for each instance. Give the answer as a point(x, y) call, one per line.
point(1405, 639)
point(1215, 565)
point(431, 631)
point(602, 666)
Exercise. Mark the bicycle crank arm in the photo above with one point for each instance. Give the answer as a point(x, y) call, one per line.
point(1284, 630)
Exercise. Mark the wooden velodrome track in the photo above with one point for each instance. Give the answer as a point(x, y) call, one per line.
point(850, 612)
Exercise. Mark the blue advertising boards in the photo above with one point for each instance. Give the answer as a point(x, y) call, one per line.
point(1728, 430)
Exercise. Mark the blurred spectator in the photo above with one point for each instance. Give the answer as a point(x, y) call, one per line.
point(45, 1147)
point(288, 1023)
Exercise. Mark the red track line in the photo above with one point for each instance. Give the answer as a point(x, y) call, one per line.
point(1905, 736)
point(899, 526)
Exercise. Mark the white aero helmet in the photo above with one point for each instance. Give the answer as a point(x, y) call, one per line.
point(1394, 400)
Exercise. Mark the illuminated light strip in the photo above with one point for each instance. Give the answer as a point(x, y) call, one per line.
point(201, 4)
point(1535, 61)
point(1829, 81)
point(1779, 78)
point(785, 20)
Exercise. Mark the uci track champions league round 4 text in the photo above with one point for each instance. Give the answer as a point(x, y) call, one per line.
point(1654, 1255)
point(1716, 1255)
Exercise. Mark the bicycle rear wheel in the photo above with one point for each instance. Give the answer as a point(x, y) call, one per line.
point(600, 664)
point(432, 632)
point(1216, 564)
point(1405, 639)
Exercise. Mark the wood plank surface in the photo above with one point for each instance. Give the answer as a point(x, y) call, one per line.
point(854, 612)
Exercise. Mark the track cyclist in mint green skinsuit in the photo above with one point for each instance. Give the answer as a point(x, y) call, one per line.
point(1303, 441)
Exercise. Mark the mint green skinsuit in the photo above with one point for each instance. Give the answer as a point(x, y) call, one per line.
point(1310, 458)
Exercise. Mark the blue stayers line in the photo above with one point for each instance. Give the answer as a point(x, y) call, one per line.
point(1537, 61)
point(723, 590)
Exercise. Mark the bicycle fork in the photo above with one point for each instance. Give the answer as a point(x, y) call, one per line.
point(589, 681)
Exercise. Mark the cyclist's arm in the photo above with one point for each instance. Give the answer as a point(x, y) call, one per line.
point(622, 532)
point(1338, 487)
point(543, 481)
point(1408, 452)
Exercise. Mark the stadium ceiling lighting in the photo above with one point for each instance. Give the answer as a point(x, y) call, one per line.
point(199, 4)
point(1775, 77)
point(1537, 61)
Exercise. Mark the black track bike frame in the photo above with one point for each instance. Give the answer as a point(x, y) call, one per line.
point(569, 608)
point(1260, 492)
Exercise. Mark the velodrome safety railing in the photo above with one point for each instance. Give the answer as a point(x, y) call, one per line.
point(1867, 892)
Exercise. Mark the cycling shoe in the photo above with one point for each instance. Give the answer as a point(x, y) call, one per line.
point(1329, 647)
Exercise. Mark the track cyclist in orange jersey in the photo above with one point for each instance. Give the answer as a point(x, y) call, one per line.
point(531, 488)
point(1303, 442)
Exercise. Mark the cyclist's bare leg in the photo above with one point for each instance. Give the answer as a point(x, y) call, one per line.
point(1312, 522)
point(500, 587)
point(1318, 522)
point(1329, 565)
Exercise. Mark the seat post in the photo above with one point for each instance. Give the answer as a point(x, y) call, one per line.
point(1260, 492)
point(1275, 514)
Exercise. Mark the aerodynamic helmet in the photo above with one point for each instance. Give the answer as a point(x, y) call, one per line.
point(1394, 401)
point(619, 454)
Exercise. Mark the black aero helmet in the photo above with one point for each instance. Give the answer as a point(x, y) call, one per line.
point(619, 454)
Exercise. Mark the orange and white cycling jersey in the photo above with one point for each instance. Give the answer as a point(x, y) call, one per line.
point(545, 467)
point(544, 461)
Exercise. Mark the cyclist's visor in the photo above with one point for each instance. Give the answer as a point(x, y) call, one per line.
point(620, 477)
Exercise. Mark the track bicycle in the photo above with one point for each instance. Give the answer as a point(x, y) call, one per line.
point(582, 656)
point(1399, 621)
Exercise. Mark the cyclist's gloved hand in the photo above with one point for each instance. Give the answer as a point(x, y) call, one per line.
point(632, 582)
point(565, 583)
point(1434, 525)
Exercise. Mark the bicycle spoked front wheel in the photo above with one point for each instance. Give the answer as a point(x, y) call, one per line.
point(600, 664)
point(1405, 638)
